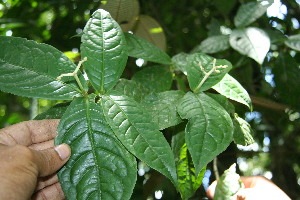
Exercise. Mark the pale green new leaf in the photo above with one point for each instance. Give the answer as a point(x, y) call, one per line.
point(31, 69)
point(209, 130)
point(134, 128)
point(155, 78)
point(197, 79)
point(162, 108)
point(188, 181)
point(132, 89)
point(228, 184)
point(250, 12)
point(252, 42)
point(139, 48)
point(232, 89)
point(213, 44)
point(100, 167)
point(293, 42)
point(104, 45)
point(242, 131)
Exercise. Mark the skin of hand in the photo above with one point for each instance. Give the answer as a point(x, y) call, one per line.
point(29, 161)
point(256, 188)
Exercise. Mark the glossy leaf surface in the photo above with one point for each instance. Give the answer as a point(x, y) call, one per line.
point(155, 78)
point(140, 48)
point(180, 62)
point(232, 89)
point(209, 130)
point(162, 107)
point(252, 42)
point(31, 69)
point(135, 129)
point(104, 45)
point(100, 167)
point(250, 12)
point(196, 77)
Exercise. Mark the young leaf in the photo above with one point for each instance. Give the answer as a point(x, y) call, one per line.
point(204, 71)
point(250, 12)
point(140, 48)
point(56, 112)
point(228, 184)
point(252, 42)
point(139, 134)
point(162, 107)
point(213, 44)
point(209, 130)
point(132, 89)
point(188, 181)
point(98, 158)
point(155, 78)
point(104, 45)
point(232, 89)
point(31, 69)
point(242, 131)
point(293, 42)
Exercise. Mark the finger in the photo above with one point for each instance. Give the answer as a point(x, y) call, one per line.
point(50, 160)
point(211, 190)
point(46, 181)
point(50, 193)
point(42, 145)
point(29, 132)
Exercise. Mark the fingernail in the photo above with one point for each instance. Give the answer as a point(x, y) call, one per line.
point(63, 151)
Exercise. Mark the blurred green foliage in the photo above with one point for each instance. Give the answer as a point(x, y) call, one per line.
point(274, 85)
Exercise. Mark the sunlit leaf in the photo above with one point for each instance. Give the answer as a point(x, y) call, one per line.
point(293, 42)
point(242, 131)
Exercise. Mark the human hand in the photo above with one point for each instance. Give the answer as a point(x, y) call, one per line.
point(29, 161)
point(256, 188)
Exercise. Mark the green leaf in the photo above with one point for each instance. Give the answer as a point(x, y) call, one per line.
point(250, 12)
point(252, 42)
point(197, 79)
point(232, 89)
point(242, 131)
point(104, 45)
point(209, 130)
point(188, 182)
point(132, 89)
point(98, 158)
point(223, 101)
point(56, 112)
point(135, 129)
point(213, 44)
point(293, 42)
point(228, 184)
point(180, 62)
point(177, 142)
point(31, 69)
point(140, 48)
point(162, 107)
point(155, 78)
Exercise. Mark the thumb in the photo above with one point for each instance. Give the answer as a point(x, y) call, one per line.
point(50, 160)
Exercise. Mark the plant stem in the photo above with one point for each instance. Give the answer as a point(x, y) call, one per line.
point(215, 167)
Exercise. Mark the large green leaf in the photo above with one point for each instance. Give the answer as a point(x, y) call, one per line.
point(242, 131)
point(250, 12)
point(293, 42)
point(132, 89)
point(140, 48)
point(100, 167)
point(162, 107)
point(252, 42)
point(31, 69)
point(135, 129)
point(104, 45)
point(209, 130)
point(228, 184)
point(200, 80)
point(232, 89)
point(223, 101)
point(213, 44)
point(155, 78)
point(56, 112)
